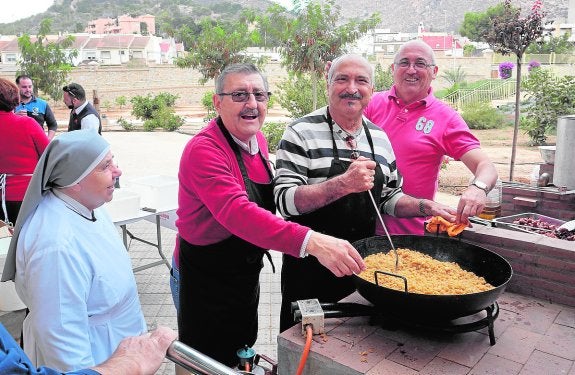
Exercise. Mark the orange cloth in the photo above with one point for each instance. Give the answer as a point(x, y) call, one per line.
point(444, 226)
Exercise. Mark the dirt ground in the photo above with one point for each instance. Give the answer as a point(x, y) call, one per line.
point(497, 143)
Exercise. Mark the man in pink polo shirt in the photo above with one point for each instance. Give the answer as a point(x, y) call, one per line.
point(422, 129)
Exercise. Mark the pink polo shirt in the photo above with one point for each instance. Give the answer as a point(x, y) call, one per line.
point(421, 134)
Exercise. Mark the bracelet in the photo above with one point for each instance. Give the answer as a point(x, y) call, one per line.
point(422, 207)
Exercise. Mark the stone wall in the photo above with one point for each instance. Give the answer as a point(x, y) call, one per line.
point(112, 82)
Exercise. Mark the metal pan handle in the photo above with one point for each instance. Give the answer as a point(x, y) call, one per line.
point(390, 274)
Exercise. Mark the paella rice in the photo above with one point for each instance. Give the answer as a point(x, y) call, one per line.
point(424, 274)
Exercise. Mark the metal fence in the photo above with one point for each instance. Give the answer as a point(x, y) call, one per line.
point(493, 89)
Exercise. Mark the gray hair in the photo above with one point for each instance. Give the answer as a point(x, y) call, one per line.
point(238, 68)
point(417, 43)
point(335, 63)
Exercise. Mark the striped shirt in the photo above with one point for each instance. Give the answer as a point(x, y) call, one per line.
point(305, 154)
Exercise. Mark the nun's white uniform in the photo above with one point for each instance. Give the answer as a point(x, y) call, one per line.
point(73, 273)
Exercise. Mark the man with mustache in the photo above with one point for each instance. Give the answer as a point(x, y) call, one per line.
point(327, 163)
point(226, 222)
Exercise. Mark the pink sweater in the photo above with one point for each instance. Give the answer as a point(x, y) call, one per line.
point(213, 203)
point(22, 141)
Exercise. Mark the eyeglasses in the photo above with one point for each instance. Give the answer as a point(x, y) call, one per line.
point(244, 96)
point(70, 91)
point(418, 65)
point(351, 142)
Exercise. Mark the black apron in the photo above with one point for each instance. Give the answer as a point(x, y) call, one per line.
point(352, 217)
point(219, 283)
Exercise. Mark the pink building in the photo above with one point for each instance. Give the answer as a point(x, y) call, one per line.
point(124, 24)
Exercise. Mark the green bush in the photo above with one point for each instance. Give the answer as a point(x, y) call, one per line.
point(208, 105)
point(164, 118)
point(482, 115)
point(534, 130)
point(121, 101)
point(157, 112)
point(549, 97)
point(143, 107)
point(273, 132)
point(125, 124)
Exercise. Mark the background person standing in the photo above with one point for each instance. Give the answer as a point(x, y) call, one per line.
point(22, 142)
point(35, 107)
point(83, 115)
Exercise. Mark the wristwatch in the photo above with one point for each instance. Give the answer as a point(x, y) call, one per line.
point(481, 185)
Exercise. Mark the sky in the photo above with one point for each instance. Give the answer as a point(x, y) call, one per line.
point(13, 10)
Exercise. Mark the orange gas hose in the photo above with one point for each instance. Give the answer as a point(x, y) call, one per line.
point(307, 347)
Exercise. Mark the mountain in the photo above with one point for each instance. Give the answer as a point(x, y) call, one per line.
point(404, 16)
point(437, 15)
point(73, 15)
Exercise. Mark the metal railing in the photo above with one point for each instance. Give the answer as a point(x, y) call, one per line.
point(495, 89)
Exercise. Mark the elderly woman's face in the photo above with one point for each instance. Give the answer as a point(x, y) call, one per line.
point(97, 187)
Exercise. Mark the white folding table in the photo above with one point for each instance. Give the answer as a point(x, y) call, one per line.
point(153, 216)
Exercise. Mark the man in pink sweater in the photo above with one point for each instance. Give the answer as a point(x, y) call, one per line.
point(227, 222)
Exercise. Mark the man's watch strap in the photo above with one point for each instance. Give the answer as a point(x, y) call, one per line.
point(481, 185)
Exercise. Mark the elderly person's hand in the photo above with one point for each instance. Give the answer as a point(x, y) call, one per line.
point(336, 255)
point(359, 177)
point(141, 355)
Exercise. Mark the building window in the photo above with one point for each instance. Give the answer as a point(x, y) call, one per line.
point(105, 55)
point(11, 57)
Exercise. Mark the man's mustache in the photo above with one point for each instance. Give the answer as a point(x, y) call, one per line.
point(355, 95)
point(250, 112)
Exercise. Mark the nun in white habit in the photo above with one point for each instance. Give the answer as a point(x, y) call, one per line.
point(68, 262)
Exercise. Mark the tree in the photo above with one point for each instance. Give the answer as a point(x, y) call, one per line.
point(454, 76)
point(295, 95)
point(383, 78)
point(512, 34)
point(313, 37)
point(476, 25)
point(46, 62)
point(559, 44)
point(218, 45)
